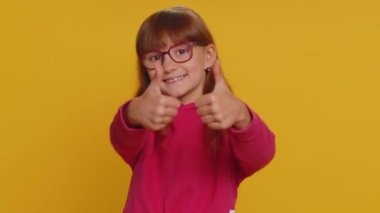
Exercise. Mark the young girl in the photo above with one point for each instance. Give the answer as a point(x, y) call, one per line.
point(189, 141)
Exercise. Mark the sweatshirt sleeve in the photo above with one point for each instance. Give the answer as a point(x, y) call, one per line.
point(253, 146)
point(127, 141)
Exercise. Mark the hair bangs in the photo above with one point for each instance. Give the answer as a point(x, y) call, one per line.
point(174, 26)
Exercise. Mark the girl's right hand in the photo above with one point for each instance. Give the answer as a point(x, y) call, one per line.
point(152, 109)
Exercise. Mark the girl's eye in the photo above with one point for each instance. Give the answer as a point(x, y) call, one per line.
point(154, 57)
point(181, 51)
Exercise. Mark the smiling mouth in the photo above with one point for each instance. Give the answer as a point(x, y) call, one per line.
point(175, 79)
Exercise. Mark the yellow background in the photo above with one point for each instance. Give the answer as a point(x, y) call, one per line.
point(309, 68)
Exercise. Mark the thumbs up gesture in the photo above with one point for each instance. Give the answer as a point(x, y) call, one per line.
point(152, 109)
point(220, 109)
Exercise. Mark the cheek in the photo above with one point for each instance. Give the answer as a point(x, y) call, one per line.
point(150, 74)
point(197, 66)
point(197, 76)
point(196, 71)
point(200, 58)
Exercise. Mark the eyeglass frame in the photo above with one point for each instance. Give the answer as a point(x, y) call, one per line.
point(163, 53)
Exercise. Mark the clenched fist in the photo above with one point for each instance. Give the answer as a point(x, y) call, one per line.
point(152, 109)
point(220, 109)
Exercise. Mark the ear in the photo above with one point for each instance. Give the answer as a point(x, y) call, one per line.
point(211, 55)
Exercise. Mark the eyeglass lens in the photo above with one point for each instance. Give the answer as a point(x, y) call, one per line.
point(178, 53)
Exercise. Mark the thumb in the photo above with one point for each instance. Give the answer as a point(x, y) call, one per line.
point(156, 79)
point(218, 74)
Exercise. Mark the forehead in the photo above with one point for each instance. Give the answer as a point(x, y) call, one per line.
point(164, 41)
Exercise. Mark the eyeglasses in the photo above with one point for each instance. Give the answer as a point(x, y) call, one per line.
point(179, 53)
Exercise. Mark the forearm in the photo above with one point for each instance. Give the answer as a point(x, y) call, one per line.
point(126, 140)
point(253, 146)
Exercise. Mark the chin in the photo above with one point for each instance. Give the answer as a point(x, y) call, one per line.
point(176, 95)
point(171, 93)
point(181, 93)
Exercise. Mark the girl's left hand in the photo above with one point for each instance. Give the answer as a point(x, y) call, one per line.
point(220, 109)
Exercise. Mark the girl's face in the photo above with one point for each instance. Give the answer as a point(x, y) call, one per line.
point(185, 80)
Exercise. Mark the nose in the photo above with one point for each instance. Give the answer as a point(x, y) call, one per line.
point(167, 63)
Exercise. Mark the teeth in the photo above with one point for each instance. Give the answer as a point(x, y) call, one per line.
point(172, 80)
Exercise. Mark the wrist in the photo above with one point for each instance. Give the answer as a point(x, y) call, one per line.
point(243, 118)
point(129, 113)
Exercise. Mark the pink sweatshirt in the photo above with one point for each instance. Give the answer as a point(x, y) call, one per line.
point(180, 172)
